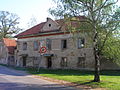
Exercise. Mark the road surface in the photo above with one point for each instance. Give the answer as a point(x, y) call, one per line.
point(11, 79)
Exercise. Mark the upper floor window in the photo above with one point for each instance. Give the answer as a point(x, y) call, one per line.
point(64, 62)
point(35, 45)
point(64, 44)
point(25, 46)
point(48, 44)
point(81, 42)
point(50, 25)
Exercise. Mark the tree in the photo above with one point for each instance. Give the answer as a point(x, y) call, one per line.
point(111, 50)
point(99, 18)
point(8, 24)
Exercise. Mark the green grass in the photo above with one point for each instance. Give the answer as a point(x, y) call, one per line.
point(109, 79)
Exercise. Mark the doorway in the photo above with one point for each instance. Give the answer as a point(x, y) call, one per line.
point(49, 62)
point(24, 61)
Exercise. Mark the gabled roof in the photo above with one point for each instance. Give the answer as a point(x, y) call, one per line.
point(10, 44)
point(38, 28)
point(34, 30)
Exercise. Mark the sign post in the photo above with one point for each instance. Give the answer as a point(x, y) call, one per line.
point(43, 50)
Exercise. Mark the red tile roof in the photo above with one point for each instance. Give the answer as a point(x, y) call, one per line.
point(10, 44)
point(37, 29)
point(34, 30)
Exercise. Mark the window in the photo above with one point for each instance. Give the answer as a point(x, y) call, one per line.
point(64, 62)
point(81, 62)
point(48, 44)
point(81, 42)
point(64, 44)
point(49, 25)
point(25, 46)
point(35, 45)
point(11, 58)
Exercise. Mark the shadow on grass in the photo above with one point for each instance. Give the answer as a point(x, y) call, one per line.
point(83, 83)
point(91, 83)
point(66, 72)
point(62, 72)
point(110, 73)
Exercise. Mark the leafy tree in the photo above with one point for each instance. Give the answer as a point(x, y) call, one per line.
point(101, 19)
point(8, 24)
point(111, 49)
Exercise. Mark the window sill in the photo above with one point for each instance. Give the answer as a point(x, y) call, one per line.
point(80, 47)
point(63, 49)
point(35, 50)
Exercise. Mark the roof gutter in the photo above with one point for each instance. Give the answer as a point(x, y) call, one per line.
point(42, 34)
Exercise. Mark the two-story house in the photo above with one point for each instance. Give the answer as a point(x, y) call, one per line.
point(50, 45)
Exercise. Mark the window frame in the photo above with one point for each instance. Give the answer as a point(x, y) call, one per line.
point(80, 42)
point(64, 44)
point(81, 62)
point(64, 61)
point(49, 44)
point(34, 45)
point(24, 46)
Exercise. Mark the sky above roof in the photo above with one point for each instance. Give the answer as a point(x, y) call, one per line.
point(26, 9)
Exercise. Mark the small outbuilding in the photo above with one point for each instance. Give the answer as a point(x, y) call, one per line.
point(7, 50)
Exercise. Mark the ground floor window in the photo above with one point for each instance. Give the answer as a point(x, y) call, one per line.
point(81, 62)
point(64, 62)
point(11, 58)
point(49, 62)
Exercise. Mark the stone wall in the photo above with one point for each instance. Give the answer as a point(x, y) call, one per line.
point(109, 65)
point(3, 53)
point(82, 58)
point(71, 52)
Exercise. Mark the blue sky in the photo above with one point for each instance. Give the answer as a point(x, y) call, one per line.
point(26, 9)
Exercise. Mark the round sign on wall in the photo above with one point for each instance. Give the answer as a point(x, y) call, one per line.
point(43, 49)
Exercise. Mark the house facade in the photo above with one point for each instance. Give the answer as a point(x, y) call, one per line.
point(48, 45)
point(7, 48)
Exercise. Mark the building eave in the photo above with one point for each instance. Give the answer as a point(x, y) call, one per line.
point(43, 34)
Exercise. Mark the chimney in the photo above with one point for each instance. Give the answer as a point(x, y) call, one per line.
point(48, 18)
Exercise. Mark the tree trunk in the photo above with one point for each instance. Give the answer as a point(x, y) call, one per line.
point(97, 66)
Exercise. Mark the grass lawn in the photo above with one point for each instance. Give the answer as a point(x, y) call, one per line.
point(109, 79)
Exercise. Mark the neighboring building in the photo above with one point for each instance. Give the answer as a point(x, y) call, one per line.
point(7, 48)
point(63, 51)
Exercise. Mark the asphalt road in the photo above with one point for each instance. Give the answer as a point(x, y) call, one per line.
point(19, 80)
